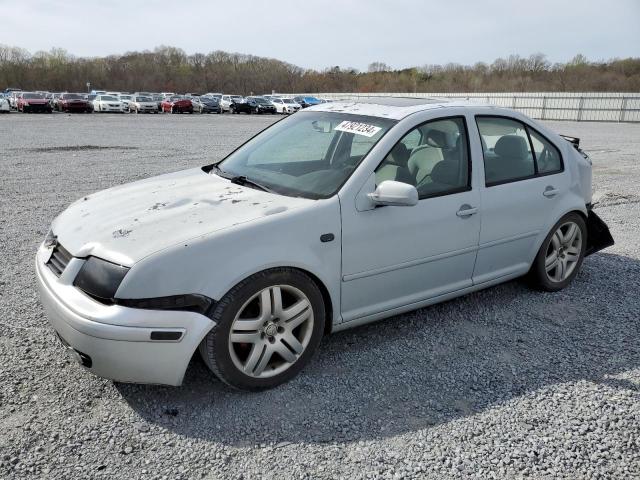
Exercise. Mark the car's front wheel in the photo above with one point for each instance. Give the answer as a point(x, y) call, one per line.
point(267, 329)
point(561, 254)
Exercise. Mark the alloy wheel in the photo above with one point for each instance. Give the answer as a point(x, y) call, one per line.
point(271, 331)
point(563, 252)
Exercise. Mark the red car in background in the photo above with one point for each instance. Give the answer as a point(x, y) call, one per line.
point(72, 102)
point(176, 104)
point(33, 102)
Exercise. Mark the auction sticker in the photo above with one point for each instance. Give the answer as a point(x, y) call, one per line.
point(358, 128)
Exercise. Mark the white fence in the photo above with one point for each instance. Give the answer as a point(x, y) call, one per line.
point(582, 107)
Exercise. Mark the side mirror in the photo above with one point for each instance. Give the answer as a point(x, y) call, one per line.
point(394, 193)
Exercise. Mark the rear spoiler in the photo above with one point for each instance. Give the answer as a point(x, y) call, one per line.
point(575, 141)
point(572, 140)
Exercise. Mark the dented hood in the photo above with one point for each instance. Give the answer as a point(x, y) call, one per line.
point(125, 224)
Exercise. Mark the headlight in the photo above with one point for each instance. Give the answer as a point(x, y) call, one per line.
point(99, 278)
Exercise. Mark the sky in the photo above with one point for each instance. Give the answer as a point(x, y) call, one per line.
point(320, 34)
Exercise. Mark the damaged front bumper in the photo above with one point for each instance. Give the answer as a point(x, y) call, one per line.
point(117, 342)
point(598, 235)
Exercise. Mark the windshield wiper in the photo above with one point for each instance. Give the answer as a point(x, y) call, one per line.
point(245, 182)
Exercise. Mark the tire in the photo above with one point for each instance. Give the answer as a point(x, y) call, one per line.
point(561, 255)
point(230, 361)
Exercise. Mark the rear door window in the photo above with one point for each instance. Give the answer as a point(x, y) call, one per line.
point(506, 149)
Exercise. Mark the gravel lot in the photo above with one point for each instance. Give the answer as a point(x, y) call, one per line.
point(502, 383)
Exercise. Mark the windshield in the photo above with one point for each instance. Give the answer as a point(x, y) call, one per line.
point(32, 95)
point(108, 98)
point(71, 96)
point(261, 101)
point(287, 100)
point(125, 97)
point(310, 154)
point(143, 99)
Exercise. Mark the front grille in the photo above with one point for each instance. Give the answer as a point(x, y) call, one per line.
point(59, 259)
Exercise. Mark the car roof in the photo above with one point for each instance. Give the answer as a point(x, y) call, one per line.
point(389, 107)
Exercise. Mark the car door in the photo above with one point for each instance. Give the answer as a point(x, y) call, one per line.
point(393, 256)
point(518, 195)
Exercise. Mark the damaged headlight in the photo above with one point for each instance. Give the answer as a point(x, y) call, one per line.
point(99, 278)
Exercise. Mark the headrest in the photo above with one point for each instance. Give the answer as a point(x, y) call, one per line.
point(445, 172)
point(437, 138)
point(512, 146)
point(399, 154)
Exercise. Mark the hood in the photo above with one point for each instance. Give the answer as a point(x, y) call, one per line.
point(126, 223)
point(35, 100)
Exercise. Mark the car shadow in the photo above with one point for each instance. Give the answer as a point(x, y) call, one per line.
point(423, 368)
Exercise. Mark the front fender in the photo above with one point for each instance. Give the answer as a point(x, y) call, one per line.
point(212, 264)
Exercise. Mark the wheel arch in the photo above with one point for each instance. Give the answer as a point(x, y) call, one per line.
point(326, 295)
point(543, 233)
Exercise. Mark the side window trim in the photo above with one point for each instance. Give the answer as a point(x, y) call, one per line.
point(526, 127)
point(419, 126)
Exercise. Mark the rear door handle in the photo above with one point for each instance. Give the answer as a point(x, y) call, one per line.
point(550, 192)
point(466, 211)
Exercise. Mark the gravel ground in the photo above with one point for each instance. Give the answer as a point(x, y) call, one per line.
point(502, 383)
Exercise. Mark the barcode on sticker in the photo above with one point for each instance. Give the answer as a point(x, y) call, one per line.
point(358, 128)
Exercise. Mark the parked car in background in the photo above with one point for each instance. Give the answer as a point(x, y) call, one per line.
point(285, 106)
point(143, 104)
point(5, 107)
point(306, 101)
point(241, 105)
point(30, 102)
point(72, 102)
point(206, 105)
point(177, 104)
point(125, 99)
point(227, 100)
point(107, 103)
point(13, 98)
point(158, 98)
point(261, 105)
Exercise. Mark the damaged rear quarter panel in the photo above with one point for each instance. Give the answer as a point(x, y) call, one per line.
point(212, 264)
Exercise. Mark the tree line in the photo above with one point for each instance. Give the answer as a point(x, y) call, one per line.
point(170, 69)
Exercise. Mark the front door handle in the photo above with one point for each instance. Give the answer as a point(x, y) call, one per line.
point(550, 192)
point(466, 211)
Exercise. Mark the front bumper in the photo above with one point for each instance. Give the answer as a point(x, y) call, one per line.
point(112, 341)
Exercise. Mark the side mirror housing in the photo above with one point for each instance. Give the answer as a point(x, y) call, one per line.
point(394, 193)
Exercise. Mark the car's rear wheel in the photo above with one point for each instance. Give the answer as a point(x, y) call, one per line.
point(561, 254)
point(267, 329)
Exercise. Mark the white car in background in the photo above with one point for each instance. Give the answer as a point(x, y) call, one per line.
point(13, 99)
point(142, 104)
point(125, 99)
point(5, 106)
point(285, 106)
point(340, 215)
point(227, 100)
point(107, 103)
